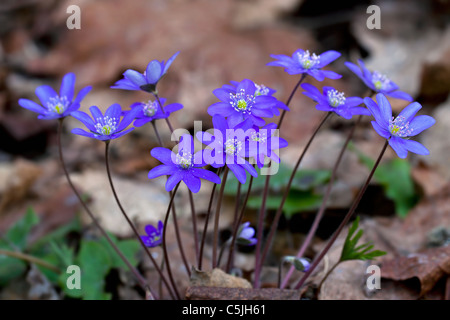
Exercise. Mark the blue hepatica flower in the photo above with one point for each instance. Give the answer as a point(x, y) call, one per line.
point(263, 143)
point(152, 110)
point(154, 236)
point(185, 165)
point(56, 106)
point(377, 82)
point(241, 102)
point(134, 80)
point(398, 129)
point(304, 62)
point(104, 127)
point(335, 101)
point(227, 146)
point(262, 90)
point(245, 235)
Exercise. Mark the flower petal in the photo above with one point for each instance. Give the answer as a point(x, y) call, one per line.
point(420, 123)
point(192, 182)
point(85, 119)
point(327, 57)
point(135, 77)
point(67, 86)
point(206, 175)
point(416, 147)
point(398, 146)
point(44, 94)
point(410, 111)
point(173, 180)
point(161, 170)
point(164, 155)
point(31, 105)
point(154, 71)
point(381, 131)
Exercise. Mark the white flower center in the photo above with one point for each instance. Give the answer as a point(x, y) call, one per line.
point(184, 160)
point(380, 81)
point(398, 127)
point(242, 102)
point(58, 104)
point(261, 90)
point(233, 147)
point(335, 98)
point(307, 60)
point(259, 136)
point(106, 126)
point(149, 108)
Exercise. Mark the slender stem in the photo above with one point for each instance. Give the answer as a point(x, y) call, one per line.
point(237, 203)
point(130, 223)
point(236, 226)
point(177, 231)
point(205, 227)
point(194, 225)
point(166, 256)
point(323, 206)
point(222, 249)
point(155, 94)
point(216, 218)
point(274, 225)
point(141, 280)
point(179, 241)
point(326, 276)
point(290, 98)
point(31, 259)
point(344, 222)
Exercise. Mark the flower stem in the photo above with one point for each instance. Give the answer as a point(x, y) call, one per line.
point(205, 228)
point(130, 223)
point(162, 109)
point(344, 222)
point(290, 98)
point(216, 218)
point(236, 226)
point(141, 280)
point(166, 256)
point(194, 225)
point(274, 225)
point(323, 206)
point(31, 259)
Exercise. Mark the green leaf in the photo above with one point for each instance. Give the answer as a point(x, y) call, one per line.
point(363, 252)
point(129, 248)
point(10, 268)
point(303, 180)
point(18, 233)
point(395, 178)
point(297, 201)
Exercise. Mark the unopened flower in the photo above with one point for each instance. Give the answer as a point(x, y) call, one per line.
point(241, 103)
point(305, 62)
point(399, 129)
point(152, 110)
point(335, 101)
point(56, 105)
point(378, 82)
point(110, 126)
point(134, 80)
point(245, 235)
point(185, 165)
point(154, 236)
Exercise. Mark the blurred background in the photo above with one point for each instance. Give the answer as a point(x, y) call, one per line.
point(219, 41)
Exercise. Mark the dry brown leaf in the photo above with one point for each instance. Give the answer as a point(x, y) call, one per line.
point(217, 278)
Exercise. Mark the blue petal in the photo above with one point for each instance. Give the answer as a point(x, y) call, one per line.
point(96, 113)
point(81, 132)
point(420, 123)
point(135, 77)
point(398, 146)
point(206, 175)
point(173, 180)
point(239, 172)
point(31, 105)
point(416, 147)
point(327, 57)
point(161, 170)
point(410, 111)
point(220, 108)
point(83, 92)
point(169, 62)
point(44, 94)
point(85, 119)
point(154, 71)
point(128, 118)
point(192, 182)
point(381, 131)
point(67, 86)
point(164, 155)
point(400, 95)
point(385, 107)
point(354, 68)
point(114, 111)
point(331, 74)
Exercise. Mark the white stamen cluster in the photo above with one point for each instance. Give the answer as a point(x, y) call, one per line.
point(184, 160)
point(149, 108)
point(398, 127)
point(380, 81)
point(308, 60)
point(242, 102)
point(233, 147)
point(335, 98)
point(58, 104)
point(261, 90)
point(260, 136)
point(106, 126)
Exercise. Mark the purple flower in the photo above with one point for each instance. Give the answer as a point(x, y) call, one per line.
point(227, 146)
point(264, 144)
point(335, 101)
point(56, 106)
point(154, 236)
point(245, 235)
point(134, 80)
point(377, 82)
point(300, 264)
point(152, 110)
point(241, 103)
point(182, 166)
point(104, 127)
point(398, 129)
point(304, 62)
